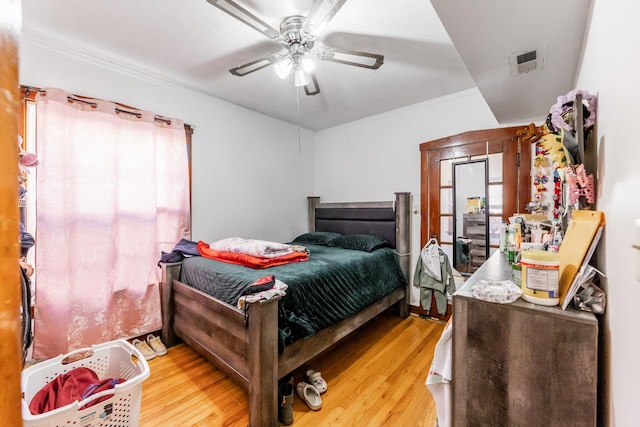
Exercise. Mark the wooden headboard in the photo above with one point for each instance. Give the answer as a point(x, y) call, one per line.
point(389, 220)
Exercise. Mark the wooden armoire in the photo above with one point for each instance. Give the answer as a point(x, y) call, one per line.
point(502, 146)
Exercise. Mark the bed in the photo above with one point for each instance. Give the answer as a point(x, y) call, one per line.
point(248, 351)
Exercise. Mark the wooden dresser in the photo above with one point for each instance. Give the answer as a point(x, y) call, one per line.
point(521, 364)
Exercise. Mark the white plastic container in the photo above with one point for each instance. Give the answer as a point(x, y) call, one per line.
point(115, 359)
point(540, 277)
point(503, 237)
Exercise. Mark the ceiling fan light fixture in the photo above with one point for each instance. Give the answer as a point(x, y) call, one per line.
point(307, 64)
point(283, 67)
point(300, 77)
point(296, 35)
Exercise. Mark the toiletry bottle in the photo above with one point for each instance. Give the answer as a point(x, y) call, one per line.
point(503, 237)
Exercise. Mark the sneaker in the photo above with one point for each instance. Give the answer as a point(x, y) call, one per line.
point(156, 344)
point(144, 348)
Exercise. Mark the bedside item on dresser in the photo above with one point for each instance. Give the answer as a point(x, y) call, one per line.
point(498, 291)
point(591, 298)
point(578, 245)
point(540, 279)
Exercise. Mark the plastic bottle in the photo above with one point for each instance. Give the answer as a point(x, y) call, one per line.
point(503, 237)
point(517, 235)
point(511, 237)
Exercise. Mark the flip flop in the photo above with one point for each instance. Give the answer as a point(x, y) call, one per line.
point(315, 379)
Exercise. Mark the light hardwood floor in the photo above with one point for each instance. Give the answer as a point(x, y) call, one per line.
point(376, 377)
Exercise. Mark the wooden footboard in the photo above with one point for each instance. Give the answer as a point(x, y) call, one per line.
point(248, 352)
point(243, 347)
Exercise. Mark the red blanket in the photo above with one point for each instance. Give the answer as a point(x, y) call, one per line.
point(248, 260)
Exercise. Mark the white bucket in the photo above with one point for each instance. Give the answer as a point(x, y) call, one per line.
point(540, 277)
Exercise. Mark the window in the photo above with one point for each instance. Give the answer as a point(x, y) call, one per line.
point(111, 192)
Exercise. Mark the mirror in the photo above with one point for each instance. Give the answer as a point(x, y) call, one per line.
point(471, 215)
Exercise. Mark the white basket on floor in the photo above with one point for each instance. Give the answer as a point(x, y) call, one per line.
point(115, 359)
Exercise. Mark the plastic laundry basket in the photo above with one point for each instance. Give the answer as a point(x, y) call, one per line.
point(115, 359)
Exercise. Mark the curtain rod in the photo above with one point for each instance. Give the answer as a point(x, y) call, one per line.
point(78, 98)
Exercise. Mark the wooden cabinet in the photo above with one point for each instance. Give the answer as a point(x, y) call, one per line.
point(436, 186)
point(474, 229)
point(521, 364)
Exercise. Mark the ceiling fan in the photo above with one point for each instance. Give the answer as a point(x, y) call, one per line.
point(297, 35)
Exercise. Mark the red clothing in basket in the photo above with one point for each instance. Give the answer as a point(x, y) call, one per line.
point(75, 385)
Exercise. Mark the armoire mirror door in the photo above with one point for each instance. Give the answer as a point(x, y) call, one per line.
point(470, 215)
point(509, 185)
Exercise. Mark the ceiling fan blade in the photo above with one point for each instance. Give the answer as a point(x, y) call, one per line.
point(319, 16)
point(242, 14)
point(351, 57)
point(312, 87)
point(258, 64)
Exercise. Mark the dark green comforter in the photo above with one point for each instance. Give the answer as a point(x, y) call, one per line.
point(332, 285)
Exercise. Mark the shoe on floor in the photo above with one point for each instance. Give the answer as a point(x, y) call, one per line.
point(315, 379)
point(310, 395)
point(285, 408)
point(143, 347)
point(156, 345)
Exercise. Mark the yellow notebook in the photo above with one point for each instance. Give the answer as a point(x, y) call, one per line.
point(576, 243)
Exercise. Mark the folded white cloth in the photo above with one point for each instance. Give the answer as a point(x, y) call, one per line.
point(503, 292)
point(279, 288)
point(252, 247)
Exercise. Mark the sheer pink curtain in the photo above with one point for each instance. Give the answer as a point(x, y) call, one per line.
point(112, 193)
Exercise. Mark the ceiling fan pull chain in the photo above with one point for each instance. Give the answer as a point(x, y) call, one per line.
point(298, 118)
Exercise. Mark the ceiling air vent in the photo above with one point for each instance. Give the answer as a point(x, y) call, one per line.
point(527, 60)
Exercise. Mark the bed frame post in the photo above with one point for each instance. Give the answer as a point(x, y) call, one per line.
point(403, 244)
point(262, 361)
point(170, 272)
point(313, 203)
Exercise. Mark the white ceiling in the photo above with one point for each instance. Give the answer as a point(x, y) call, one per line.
point(194, 44)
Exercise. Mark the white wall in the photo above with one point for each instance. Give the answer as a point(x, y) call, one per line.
point(610, 69)
point(370, 159)
point(250, 176)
